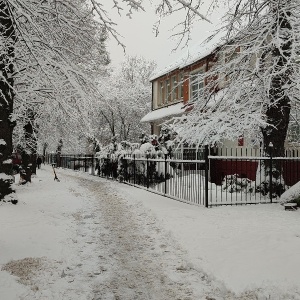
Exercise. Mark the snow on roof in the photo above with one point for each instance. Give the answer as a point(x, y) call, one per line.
point(191, 55)
point(158, 114)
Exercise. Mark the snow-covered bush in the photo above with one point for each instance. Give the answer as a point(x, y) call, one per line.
point(234, 183)
point(263, 181)
point(166, 139)
point(291, 195)
point(146, 172)
point(122, 160)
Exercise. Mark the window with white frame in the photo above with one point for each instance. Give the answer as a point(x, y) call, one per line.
point(174, 88)
point(170, 89)
point(161, 93)
point(197, 84)
point(168, 85)
point(180, 86)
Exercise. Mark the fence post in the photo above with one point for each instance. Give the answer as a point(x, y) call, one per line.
point(134, 169)
point(147, 179)
point(93, 166)
point(100, 161)
point(108, 166)
point(271, 171)
point(206, 175)
point(166, 173)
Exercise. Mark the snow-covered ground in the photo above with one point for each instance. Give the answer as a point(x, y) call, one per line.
point(88, 238)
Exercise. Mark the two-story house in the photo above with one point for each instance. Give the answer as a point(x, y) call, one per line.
point(176, 87)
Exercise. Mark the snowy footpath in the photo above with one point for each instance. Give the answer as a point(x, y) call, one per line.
point(88, 238)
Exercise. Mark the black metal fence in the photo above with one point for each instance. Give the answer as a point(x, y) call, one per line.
point(212, 180)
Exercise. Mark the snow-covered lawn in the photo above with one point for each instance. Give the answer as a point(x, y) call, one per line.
point(248, 247)
point(62, 241)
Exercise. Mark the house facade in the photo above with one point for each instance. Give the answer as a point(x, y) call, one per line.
point(174, 88)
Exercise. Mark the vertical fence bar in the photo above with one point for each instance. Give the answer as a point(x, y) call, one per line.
point(147, 178)
point(297, 166)
point(165, 174)
point(100, 160)
point(206, 175)
point(271, 171)
point(93, 166)
point(134, 169)
point(107, 167)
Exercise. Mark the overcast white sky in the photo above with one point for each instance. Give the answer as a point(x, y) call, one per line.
point(139, 38)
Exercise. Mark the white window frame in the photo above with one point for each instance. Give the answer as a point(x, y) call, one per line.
point(161, 93)
point(174, 87)
point(180, 85)
point(168, 91)
point(197, 84)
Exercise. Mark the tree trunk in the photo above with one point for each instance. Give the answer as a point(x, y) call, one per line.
point(45, 146)
point(8, 37)
point(278, 111)
point(58, 153)
point(29, 153)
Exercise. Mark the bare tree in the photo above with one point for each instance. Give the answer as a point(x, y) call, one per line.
point(126, 96)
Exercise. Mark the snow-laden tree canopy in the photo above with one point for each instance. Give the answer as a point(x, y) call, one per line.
point(63, 78)
point(125, 98)
point(253, 86)
point(59, 55)
point(49, 51)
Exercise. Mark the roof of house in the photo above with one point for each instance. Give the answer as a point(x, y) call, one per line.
point(191, 55)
